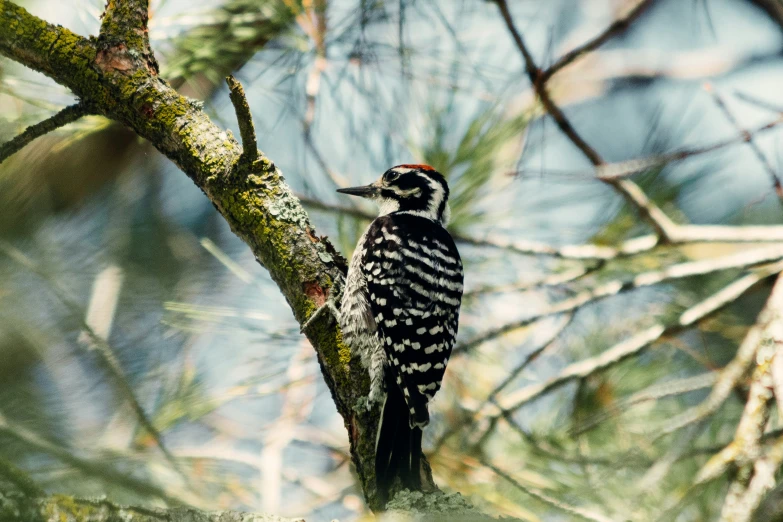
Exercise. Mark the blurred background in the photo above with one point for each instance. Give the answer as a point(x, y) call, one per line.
point(145, 356)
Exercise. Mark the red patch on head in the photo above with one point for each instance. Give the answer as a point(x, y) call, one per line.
point(415, 166)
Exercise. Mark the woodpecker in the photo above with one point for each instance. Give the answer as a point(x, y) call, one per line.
point(400, 310)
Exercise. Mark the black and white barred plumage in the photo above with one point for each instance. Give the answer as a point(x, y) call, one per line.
point(400, 309)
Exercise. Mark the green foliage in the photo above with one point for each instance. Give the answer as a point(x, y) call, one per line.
point(470, 160)
point(239, 395)
point(228, 37)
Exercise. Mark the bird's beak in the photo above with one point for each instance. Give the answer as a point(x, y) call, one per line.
point(365, 191)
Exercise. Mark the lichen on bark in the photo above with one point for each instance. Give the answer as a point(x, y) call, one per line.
point(115, 75)
point(112, 78)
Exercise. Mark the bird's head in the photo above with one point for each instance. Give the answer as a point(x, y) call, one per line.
point(413, 189)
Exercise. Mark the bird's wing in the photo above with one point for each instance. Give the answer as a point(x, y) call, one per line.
point(414, 281)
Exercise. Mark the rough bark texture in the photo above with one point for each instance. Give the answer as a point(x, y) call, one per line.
point(124, 25)
point(115, 75)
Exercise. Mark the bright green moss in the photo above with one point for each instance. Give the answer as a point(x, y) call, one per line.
point(343, 350)
point(253, 198)
point(67, 509)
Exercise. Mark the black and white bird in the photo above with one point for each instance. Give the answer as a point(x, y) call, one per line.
point(400, 310)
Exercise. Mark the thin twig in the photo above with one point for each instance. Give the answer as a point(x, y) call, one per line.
point(728, 379)
point(67, 115)
point(721, 103)
point(585, 251)
point(314, 22)
point(616, 27)
point(535, 76)
point(91, 467)
point(532, 356)
point(623, 169)
point(774, 456)
point(666, 230)
point(555, 450)
point(297, 403)
point(727, 234)
point(536, 493)
point(773, 8)
point(244, 119)
point(660, 469)
point(635, 344)
point(678, 234)
point(759, 102)
point(335, 207)
point(617, 286)
point(524, 247)
point(107, 353)
point(478, 436)
point(336, 178)
point(765, 470)
point(629, 190)
point(745, 451)
point(556, 279)
point(652, 393)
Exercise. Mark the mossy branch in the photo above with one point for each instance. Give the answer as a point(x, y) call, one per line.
point(258, 205)
point(124, 22)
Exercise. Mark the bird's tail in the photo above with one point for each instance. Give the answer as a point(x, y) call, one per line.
point(398, 447)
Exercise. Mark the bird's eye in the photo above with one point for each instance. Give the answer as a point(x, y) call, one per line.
point(391, 176)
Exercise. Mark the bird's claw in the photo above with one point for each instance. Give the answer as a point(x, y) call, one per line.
point(329, 305)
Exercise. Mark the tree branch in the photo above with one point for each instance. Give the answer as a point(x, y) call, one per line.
point(519, 246)
point(747, 138)
point(666, 230)
point(652, 393)
point(624, 169)
point(537, 81)
point(617, 286)
point(773, 8)
point(258, 205)
point(124, 22)
point(628, 189)
point(634, 345)
point(244, 119)
point(678, 234)
point(731, 374)
point(67, 115)
point(553, 280)
point(616, 27)
point(753, 462)
point(573, 511)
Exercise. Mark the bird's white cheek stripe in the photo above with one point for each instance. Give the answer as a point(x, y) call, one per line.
point(415, 191)
point(436, 199)
point(387, 206)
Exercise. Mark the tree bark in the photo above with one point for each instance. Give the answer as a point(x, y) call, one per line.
point(119, 79)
